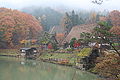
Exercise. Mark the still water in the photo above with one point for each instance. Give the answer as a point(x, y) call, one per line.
point(20, 69)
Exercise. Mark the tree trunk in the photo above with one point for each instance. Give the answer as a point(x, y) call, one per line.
point(112, 46)
point(115, 49)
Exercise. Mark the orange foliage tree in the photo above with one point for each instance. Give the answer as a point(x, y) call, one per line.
point(18, 26)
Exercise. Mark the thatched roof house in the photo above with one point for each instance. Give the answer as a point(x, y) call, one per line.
point(77, 30)
point(59, 33)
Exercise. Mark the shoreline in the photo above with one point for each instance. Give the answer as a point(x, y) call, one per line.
point(10, 55)
point(54, 61)
point(72, 66)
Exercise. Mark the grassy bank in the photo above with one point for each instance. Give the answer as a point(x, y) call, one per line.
point(107, 65)
point(9, 52)
point(65, 58)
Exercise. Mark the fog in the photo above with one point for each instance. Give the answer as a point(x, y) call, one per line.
point(66, 4)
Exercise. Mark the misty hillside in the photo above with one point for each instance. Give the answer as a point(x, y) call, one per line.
point(48, 16)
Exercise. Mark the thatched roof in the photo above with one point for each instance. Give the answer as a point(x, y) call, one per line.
point(59, 33)
point(56, 29)
point(76, 30)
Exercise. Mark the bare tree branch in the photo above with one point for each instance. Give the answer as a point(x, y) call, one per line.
point(97, 2)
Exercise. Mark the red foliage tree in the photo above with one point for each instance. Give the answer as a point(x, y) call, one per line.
point(50, 46)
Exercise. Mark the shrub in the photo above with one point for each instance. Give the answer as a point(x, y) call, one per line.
point(84, 52)
point(108, 66)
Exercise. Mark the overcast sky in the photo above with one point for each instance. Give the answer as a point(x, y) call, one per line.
point(73, 4)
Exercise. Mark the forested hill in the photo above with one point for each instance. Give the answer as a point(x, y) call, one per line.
point(48, 16)
point(16, 26)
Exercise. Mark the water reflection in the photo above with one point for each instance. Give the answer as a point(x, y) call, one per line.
point(17, 69)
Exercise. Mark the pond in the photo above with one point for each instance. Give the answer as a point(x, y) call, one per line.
point(19, 69)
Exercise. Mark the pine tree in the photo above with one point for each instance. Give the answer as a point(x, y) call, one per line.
point(66, 23)
point(74, 18)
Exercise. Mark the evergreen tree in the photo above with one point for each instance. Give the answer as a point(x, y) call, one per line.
point(72, 42)
point(103, 34)
point(74, 18)
point(66, 23)
point(81, 21)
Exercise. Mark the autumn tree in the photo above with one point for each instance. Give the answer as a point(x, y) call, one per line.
point(17, 26)
point(93, 17)
point(115, 30)
point(114, 17)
